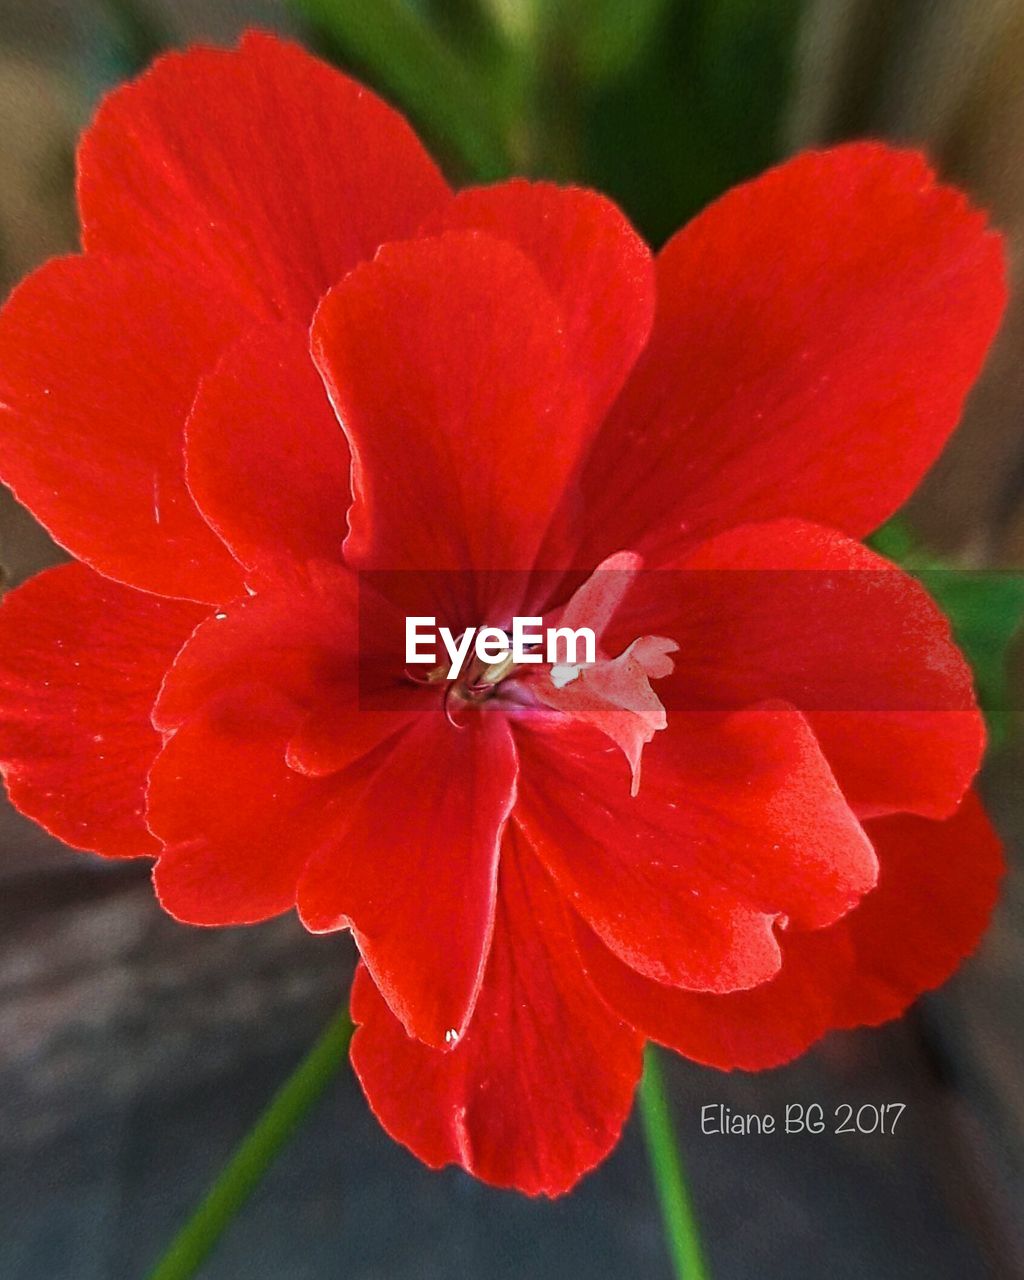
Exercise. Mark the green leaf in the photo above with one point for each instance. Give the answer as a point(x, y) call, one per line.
point(985, 608)
point(394, 47)
point(700, 110)
point(611, 37)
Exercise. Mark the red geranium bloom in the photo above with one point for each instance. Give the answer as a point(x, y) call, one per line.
point(295, 389)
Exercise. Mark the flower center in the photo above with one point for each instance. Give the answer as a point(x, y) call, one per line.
point(606, 691)
point(476, 681)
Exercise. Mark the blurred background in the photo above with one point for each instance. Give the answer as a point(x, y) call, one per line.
point(134, 1052)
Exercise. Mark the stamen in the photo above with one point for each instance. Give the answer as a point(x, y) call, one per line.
point(416, 678)
point(434, 676)
point(447, 709)
point(496, 672)
point(475, 684)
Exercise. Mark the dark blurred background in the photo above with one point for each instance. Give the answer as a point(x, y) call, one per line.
point(134, 1052)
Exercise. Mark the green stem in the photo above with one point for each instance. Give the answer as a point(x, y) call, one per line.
point(256, 1152)
point(669, 1175)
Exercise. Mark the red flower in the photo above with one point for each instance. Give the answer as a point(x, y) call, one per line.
point(218, 681)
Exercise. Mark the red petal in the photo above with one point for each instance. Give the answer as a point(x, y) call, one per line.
point(816, 333)
point(298, 639)
point(538, 1089)
point(99, 362)
point(613, 694)
point(241, 820)
point(81, 660)
point(795, 612)
point(239, 824)
point(597, 268)
point(260, 171)
point(936, 889)
point(417, 871)
point(267, 461)
point(446, 365)
point(764, 1027)
point(737, 822)
point(616, 697)
point(596, 601)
